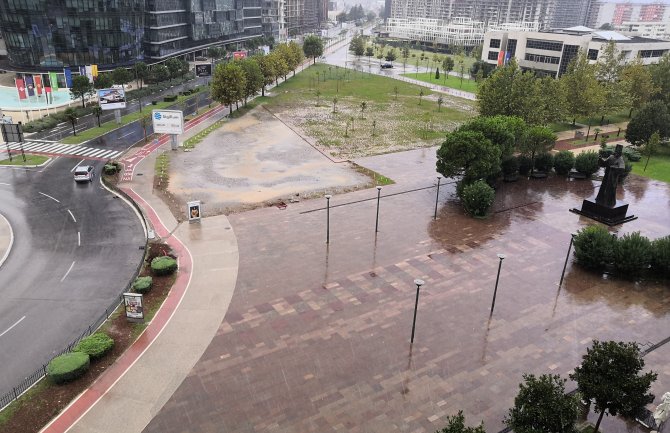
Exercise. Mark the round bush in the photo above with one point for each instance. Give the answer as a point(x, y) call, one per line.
point(142, 284)
point(525, 164)
point(660, 256)
point(563, 162)
point(632, 254)
point(95, 345)
point(509, 166)
point(544, 162)
point(477, 198)
point(594, 247)
point(68, 367)
point(164, 265)
point(587, 162)
point(110, 169)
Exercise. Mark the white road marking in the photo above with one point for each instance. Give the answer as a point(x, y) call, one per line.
point(78, 239)
point(72, 215)
point(75, 167)
point(68, 272)
point(10, 328)
point(3, 183)
point(47, 195)
point(125, 135)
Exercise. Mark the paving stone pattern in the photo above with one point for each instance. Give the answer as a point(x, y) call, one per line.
point(316, 338)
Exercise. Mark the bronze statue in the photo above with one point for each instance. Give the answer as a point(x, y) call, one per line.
point(615, 166)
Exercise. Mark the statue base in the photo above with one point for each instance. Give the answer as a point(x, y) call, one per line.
point(612, 216)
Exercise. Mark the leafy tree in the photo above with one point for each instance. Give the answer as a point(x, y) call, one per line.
point(437, 73)
point(286, 53)
point(541, 406)
point(214, 52)
point(104, 81)
point(160, 73)
point(477, 52)
point(609, 69)
point(447, 65)
point(279, 66)
point(364, 105)
point(357, 46)
point(254, 78)
point(121, 76)
point(548, 97)
point(653, 117)
point(369, 52)
point(141, 72)
point(639, 84)
point(297, 53)
point(440, 102)
point(145, 121)
point(456, 424)
point(267, 69)
point(390, 55)
point(313, 47)
point(97, 112)
point(584, 95)
point(506, 92)
point(71, 116)
point(173, 67)
point(660, 74)
point(610, 376)
point(184, 67)
point(650, 147)
point(469, 154)
point(483, 67)
point(538, 139)
point(228, 84)
point(81, 88)
point(341, 17)
point(500, 130)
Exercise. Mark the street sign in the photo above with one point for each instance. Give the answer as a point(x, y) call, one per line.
point(203, 70)
point(168, 121)
point(111, 99)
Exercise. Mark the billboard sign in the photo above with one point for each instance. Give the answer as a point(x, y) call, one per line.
point(239, 55)
point(204, 70)
point(168, 121)
point(194, 212)
point(133, 304)
point(111, 99)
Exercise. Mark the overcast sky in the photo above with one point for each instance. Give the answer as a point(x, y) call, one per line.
point(667, 2)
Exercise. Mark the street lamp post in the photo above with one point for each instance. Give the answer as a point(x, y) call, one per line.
point(437, 196)
point(495, 290)
point(565, 265)
point(418, 283)
point(379, 191)
point(328, 196)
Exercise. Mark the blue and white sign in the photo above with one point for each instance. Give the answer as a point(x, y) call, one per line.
point(168, 121)
point(111, 99)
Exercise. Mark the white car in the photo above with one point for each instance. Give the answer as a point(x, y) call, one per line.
point(84, 173)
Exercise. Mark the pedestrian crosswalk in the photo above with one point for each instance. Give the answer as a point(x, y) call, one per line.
point(59, 149)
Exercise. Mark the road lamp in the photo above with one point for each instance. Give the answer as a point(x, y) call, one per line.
point(328, 196)
point(437, 196)
point(418, 283)
point(565, 265)
point(379, 191)
point(495, 290)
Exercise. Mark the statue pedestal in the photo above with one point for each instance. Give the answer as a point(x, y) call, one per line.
point(612, 216)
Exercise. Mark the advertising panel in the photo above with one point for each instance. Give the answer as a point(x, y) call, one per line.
point(111, 99)
point(204, 70)
point(194, 212)
point(168, 121)
point(239, 55)
point(133, 304)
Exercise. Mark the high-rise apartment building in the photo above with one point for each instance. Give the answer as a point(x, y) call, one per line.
point(570, 13)
point(621, 14)
point(304, 16)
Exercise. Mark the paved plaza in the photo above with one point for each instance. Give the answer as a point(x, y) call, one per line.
point(316, 337)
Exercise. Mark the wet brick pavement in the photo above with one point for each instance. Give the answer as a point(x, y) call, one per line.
point(316, 338)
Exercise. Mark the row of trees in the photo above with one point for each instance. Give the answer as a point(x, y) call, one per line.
point(242, 79)
point(603, 88)
point(356, 13)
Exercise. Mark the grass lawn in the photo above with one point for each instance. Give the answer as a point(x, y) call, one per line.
point(427, 62)
point(563, 126)
point(388, 122)
point(92, 133)
point(450, 81)
point(30, 160)
point(658, 168)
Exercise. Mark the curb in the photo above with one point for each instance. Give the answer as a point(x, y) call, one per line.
point(11, 240)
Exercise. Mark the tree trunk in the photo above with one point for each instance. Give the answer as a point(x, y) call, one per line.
point(98, 121)
point(600, 418)
point(263, 91)
point(83, 103)
point(647, 163)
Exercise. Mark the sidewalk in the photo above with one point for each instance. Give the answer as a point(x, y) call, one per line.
point(181, 330)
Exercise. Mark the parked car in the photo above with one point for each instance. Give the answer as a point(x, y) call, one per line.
point(387, 65)
point(84, 173)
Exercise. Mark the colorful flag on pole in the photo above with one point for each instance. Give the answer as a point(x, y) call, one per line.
point(82, 71)
point(89, 73)
point(30, 85)
point(46, 80)
point(38, 84)
point(53, 79)
point(68, 77)
point(501, 58)
point(21, 88)
point(94, 71)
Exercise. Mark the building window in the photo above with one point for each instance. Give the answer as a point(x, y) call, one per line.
point(539, 58)
point(569, 53)
point(511, 48)
point(652, 53)
point(495, 43)
point(493, 55)
point(544, 45)
point(592, 54)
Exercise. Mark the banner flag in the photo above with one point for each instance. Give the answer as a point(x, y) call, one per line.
point(68, 77)
point(38, 84)
point(94, 71)
point(46, 81)
point(21, 88)
point(53, 79)
point(30, 85)
point(89, 72)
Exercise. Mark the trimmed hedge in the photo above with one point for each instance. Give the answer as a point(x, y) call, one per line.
point(142, 284)
point(587, 162)
point(660, 256)
point(477, 198)
point(164, 265)
point(594, 247)
point(68, 367)
point(632, 254)
point(544, 162)
point(564, 161)
point(95, 345)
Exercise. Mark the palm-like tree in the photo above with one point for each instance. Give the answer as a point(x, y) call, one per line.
point(71, 115)
point(97, 111)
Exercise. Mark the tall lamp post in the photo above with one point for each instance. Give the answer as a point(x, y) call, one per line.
point(328, 196)
point(379, 192)
point(437, 196)
point(495, 290)
point(565, 265)
point(418, 283)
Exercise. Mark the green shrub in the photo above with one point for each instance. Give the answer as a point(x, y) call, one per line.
point(95, 345)
point(509, 166)
point(170, 98)
point(587, 162)
point(544, 161)
point(142, 284)
point(110, 169)
point(525, 164)
point(632, 154)
point(164, 265)
point(68, 367)
point(477, 198)
point(660, 256)
point(632, 254)
point(594, 247)
point(564, 161)
point(628, 167)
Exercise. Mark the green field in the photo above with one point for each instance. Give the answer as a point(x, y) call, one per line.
point(428, 61)
point(658, 168)
point(447, 81)
point(17, 159)
point(386, 124)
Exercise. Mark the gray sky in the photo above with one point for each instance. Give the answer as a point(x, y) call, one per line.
point(667, 2)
